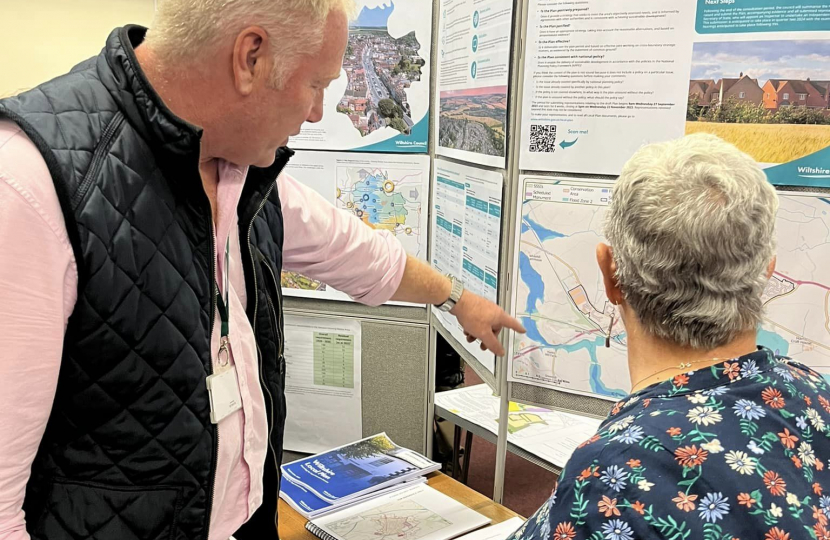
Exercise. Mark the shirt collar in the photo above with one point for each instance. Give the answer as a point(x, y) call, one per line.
point(728, 372)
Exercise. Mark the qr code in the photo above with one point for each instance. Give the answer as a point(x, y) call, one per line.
point(542, 138)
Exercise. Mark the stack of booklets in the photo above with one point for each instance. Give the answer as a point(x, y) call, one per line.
point(352, 474)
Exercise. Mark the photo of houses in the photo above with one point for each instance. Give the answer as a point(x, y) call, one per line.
point(769, 98)
point(380, 70)
point(474, 120)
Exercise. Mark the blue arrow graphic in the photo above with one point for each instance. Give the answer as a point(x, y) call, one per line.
point(566, 144)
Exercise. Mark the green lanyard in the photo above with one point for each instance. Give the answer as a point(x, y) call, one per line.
point(224, 307)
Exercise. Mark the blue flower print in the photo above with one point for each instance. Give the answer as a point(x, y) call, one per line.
point(617, 529)
point(631, 435)
point(749, 410)
point(785, 374)
point(716, 391)
point(801, 422)
point(824, 503)
point(749, 369)
point(615, 478)
point(713, 507)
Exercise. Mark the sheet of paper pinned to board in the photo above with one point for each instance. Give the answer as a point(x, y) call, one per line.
point(387, 192)
point(466, 230)
point(322, 383)
point(473, 78)
point(380, 102)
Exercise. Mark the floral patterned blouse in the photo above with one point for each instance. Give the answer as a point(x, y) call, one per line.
point(739, 450)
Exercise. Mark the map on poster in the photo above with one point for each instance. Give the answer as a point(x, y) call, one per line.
point(386, 192)
point(380, 103)
point(797, 298)
point(560, 298)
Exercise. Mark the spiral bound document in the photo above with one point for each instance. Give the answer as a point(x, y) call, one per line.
point(416, 513)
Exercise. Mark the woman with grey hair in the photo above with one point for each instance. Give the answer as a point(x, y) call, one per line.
point(719, 439)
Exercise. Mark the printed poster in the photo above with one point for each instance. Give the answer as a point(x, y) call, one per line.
point(473, 77)
point(760, 79)
point(603, 78)
point(466, 230)
point(387, 192)
point(380, 103)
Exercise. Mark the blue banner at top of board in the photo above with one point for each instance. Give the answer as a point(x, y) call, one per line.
point(748, 16)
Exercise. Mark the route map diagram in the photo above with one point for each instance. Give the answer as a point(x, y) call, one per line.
point(560, 299)
point(559, 296)
point(388, 199)
point(399, 520)
point(797, 297)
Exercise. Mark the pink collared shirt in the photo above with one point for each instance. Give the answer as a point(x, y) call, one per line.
point(38, 288)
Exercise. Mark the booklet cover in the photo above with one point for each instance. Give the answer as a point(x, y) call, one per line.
point(310, 505)
point(416, 513)
point(361, 467)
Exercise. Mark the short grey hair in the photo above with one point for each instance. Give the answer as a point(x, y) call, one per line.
point(692, 230)
point(182, 29)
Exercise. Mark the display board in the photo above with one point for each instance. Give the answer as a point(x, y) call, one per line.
point(605, 77)
point(386, 191)
point(560, 298)
point(473, 75)
point(466, 229)
point(381, 101)
point(602, 77)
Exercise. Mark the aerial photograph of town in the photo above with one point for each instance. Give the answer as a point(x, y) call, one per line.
point(474, 120)
point(380, 70)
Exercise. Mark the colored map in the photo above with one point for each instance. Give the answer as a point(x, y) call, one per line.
point(521, 416)
point(386, 199)
point(559, 295)
point(549, 435)
point(561, 300)
point(399, 520)
point(797, 298)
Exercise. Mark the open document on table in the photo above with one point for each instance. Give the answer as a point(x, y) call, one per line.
point(549, 435)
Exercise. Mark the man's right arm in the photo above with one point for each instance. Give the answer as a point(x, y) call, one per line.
point(38, 282)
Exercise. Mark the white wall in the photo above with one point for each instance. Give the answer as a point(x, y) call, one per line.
point(41, 39)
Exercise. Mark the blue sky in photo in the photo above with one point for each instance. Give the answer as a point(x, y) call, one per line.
point(375, 17)
point(762, 60)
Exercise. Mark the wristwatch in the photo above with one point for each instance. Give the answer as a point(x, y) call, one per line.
point(455, 294)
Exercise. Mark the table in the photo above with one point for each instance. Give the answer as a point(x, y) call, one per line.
point(292, 524)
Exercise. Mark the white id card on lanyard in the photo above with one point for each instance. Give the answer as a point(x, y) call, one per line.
point(223, 385)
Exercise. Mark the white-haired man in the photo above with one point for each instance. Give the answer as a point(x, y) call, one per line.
point(719, 438)
point(143, 230)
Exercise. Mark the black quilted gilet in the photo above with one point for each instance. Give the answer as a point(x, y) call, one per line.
point(129, 451)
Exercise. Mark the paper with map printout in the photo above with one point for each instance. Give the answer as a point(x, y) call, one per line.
point(380, 102)
point(386, 192)
point(418, 513)
point(560, 298)
point(550, 435)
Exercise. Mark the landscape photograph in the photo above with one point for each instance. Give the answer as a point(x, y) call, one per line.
point(769, 98)
point(474, 120)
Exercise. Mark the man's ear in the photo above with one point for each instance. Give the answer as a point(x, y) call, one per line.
point(605, 260)
point(249, 59)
